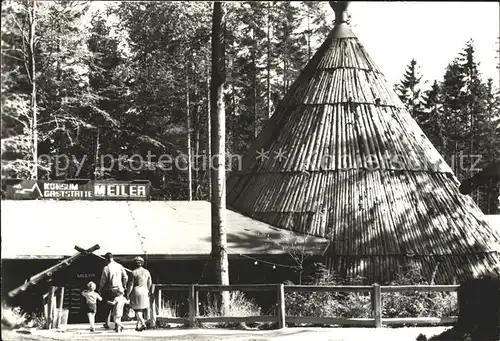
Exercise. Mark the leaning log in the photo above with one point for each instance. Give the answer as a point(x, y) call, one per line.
point(50, 271)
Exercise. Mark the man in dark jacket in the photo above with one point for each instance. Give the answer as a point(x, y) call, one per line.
point(113, 280)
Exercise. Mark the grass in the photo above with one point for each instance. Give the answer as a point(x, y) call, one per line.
point(169, 309)
point(239, 305)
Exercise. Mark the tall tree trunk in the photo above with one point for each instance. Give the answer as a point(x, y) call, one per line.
point(219, 239)
point(308, 33)
point(209, 136)
point(254, 75)
point(34, 123)
point(197, 141)
point(234, 136)
point(268, 90)
point(188, 118)
point(97, 145)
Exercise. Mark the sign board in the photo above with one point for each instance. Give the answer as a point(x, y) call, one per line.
point(78, 190)
point(86, 275)
point(120, 190)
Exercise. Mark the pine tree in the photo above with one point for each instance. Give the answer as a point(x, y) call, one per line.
point(432, 108)
point(474, 95)
point(107, 82)
point(410, 93)
point(489, 147)
point(466, 112)
point(49, 63)
point(453, 115)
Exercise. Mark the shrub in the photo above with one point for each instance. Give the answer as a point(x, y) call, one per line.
point(358, 305)
point(169, 309)
point(417, 304)
point(13, 317)
point(239, 305)
point(36, 321)
point(326, 304)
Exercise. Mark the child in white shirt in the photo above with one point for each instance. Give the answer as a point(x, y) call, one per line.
point(118, 305)
point(91, 298)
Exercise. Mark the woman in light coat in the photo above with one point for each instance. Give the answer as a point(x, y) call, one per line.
point(138, 290)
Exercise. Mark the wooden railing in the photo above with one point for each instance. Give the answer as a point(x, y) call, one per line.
point(281, 319)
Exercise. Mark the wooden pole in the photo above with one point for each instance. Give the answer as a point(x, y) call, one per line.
point(153, 308)
point(61, 305)
point(377, 305)
point(159, 301)
point(50, 307)
point(197, 300)
point(219, 238)
point(281, 307)
point(193, 303)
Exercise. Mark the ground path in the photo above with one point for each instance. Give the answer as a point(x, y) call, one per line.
point(81, 333)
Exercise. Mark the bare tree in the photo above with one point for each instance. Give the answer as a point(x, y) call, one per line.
point(32, 29)
point(188, 119)
point(298, 247)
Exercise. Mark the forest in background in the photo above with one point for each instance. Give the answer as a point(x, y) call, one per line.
point(134, 79)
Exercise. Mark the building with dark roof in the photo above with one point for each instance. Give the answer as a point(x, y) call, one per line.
point(172, 236)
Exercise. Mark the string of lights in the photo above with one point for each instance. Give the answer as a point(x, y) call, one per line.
point(256, 261)
point(139, 236)
point(274, 265)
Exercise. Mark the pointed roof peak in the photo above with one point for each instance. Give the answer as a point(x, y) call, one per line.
point(342, 28)
point(340, 9)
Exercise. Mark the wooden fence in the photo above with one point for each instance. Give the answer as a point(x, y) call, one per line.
point(281, 319)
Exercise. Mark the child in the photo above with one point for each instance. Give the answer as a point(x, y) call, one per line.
point(91, 298)
point(118, 305)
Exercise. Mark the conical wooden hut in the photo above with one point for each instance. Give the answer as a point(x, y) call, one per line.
point(341, 157)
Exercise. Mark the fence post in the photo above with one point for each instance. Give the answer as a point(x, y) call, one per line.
point(281, 306)
point(61, 306)
point(193, 304)
point(159, 301)
point(377, 305)
point(197, 301)
point(50, 307)
point(153, 306)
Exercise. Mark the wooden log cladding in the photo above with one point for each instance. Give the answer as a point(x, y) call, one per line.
point(374, 136)
point(360, 170)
